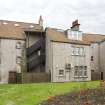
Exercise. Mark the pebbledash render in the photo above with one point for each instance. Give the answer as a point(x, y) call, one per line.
point(72, 55)
point(67, 55)
point(12, 51)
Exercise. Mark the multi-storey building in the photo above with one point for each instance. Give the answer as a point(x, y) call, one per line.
point(17, 55)
point(12, 51)
point(67, 55)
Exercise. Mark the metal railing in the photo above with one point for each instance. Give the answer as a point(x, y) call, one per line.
point(37, 60)
point(35, 47)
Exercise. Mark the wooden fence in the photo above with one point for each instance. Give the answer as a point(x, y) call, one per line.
point(95, 76)
point(35, 77)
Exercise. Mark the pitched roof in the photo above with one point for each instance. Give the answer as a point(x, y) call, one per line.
point(61, 37)
point(54, 35)
point(9, 31)
point(23, 25)
point(93, 37)
point(14, 29)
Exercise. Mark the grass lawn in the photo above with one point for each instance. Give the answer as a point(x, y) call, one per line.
point(32, 94)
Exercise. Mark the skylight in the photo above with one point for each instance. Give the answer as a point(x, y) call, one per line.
point(31, 26)
point(5, 23)
point(16, 25)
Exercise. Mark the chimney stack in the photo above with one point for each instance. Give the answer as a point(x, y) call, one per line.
point(75, 25)
point(40, 21)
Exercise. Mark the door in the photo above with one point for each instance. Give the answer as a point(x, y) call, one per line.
point(67, 75)
point(101, 75)
point(12, 77)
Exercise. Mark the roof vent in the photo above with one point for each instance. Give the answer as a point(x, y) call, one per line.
point(5, 23)
point(16, 25)
point(31, 26)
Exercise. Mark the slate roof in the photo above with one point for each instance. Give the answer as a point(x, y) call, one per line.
point(15, 30)
point(57, 36)
point(23, 25)
point(93, 37)
point(11, 32)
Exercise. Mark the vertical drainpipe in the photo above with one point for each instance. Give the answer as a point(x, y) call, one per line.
point(41, 54)
point(28, 47)
point(99, 58)
point(51, 47)
point(0, 60)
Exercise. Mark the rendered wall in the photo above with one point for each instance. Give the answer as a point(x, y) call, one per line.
point(58, 54)
point(8, 57)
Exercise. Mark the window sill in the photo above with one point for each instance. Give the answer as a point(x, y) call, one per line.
point(60, 76)
point(79, 55)
point(80, 76)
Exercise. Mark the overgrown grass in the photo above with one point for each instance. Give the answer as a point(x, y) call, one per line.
point(32, 94)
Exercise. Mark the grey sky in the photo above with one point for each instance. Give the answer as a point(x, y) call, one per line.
point(57, 13)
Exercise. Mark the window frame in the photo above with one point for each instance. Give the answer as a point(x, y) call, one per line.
point(79, 71)
point(61, 73)
point(78, 51)
point(18, 45)
point(18, 60)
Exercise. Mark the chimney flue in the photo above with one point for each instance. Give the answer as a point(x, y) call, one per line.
point(75, 25)
point(40, 21)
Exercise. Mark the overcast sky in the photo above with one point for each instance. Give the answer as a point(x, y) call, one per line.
point(57, 13)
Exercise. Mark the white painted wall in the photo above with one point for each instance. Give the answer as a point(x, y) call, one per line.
point(8, 54)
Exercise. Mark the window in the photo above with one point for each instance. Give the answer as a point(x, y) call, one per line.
point(68, 66)
point(18, 60)
point(76, 71)
point(16, 24)
point(80, 71)
point(76, 35)
point(61, 72)
point(31, 26)
point(78, 51)
point(5, 23)
point(38, 52)
point(18, 45)
point(92, 58)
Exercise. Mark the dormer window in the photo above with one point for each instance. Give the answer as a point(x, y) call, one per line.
point(74, 35)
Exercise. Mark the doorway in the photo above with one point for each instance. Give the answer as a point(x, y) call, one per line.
point(102, 76)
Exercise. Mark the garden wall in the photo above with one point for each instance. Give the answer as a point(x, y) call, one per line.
point(36, 77)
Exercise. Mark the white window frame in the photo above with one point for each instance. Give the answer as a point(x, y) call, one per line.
point(79, 71)
point(61, 74)
point(18, 45)
point(78, 51)
point(18, 59)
